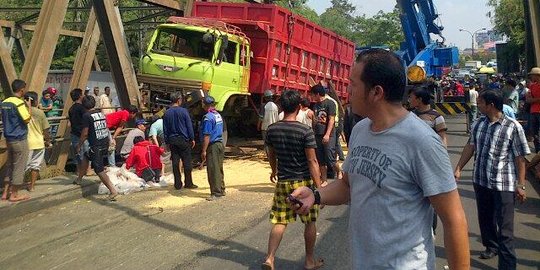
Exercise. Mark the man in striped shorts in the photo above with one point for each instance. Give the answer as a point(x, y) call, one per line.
point(291, 152)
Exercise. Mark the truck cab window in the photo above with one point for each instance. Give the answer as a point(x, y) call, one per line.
point(186, 43)
point(230, 53)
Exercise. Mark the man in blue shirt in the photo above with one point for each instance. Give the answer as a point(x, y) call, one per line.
point(178, 131)
point(213, 149)
point(15, 117)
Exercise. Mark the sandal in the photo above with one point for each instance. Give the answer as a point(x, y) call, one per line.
point(19, 198)
point(112, 197)
point(318, 264)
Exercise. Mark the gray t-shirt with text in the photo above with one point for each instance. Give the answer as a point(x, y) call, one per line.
point(391, 174)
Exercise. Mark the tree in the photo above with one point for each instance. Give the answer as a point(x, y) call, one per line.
point(509, 20)
point(381, 29)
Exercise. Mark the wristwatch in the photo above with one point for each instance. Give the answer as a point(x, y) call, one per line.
point(317, 197)
point(522, 187)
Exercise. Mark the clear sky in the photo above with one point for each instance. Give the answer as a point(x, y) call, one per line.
point(454, 14)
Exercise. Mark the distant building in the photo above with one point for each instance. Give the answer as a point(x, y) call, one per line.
point(489, 36)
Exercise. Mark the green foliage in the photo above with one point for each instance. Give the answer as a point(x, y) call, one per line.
point(381, 29)
point(509, 20)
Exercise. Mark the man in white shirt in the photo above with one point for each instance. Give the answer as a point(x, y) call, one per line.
point(269, 115)
point(105, 101)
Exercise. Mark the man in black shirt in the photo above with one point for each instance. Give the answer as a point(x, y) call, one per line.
point(325, 134)
point(76, 113)
point(94, 128)
point(291, 152)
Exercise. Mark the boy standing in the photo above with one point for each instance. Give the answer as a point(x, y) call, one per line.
point(293, 160)
point(96, 131)
point(15, 117)
point(38, 138)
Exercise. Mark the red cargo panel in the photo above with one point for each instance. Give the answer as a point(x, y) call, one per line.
point(314, 51)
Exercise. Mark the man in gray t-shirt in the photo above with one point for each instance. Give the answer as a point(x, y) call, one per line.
point(391, 175)
point(396, 169)
point(128, 142)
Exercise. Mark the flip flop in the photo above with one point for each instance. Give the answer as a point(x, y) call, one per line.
point(267, 266)
point(19, 198)
point(318, 264)
point(112, 198)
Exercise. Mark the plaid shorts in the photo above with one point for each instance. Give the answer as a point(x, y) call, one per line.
point(281, 212)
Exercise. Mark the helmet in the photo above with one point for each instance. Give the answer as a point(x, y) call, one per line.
point(51, 90)
point(268, 93)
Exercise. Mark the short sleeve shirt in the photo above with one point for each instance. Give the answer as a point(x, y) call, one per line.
point(323, 111)
point(290, 140)
point(213, 126)
point(114, 119)
point(98, 133)
point(391, 175)
point(534, 89)
point(156, 129)
point(14, 115)
point(36, 126)
point(76, 113)
point(433, 119)
point(270, 115)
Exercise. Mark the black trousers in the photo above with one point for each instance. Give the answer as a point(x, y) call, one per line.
point(496, 220)
point(181, 150)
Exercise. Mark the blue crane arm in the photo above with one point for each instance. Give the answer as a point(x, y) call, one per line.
point(418, 20)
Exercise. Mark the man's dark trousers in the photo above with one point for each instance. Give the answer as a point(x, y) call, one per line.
point(496, 220)
point(214, 162)
point(181, 150)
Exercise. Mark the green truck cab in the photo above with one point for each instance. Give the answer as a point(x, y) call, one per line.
point(198, 57)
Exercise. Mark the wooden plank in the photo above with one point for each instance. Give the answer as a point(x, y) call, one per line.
point(534, 6)
point(63, 32)
point(39, 57)
point(7, 69)
point(170, 4)
point(81, 72)
point(123, 73)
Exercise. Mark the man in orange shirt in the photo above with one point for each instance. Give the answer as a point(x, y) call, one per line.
point(533, 98)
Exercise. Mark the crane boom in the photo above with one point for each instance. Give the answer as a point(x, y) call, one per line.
point(418, 20)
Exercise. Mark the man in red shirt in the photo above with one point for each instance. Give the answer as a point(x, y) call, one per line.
point(533, 98)
point(145, 157)
point(116, 121)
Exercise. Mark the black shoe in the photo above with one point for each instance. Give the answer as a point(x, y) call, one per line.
point(487, 254)
point(178, 187)
point(192, 186)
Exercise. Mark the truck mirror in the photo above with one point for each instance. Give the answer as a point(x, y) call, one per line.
point(224, 45)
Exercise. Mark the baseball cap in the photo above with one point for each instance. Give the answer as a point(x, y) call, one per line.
point(208, 100)
point(140, 122)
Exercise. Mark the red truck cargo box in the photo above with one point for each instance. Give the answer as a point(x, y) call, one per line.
point(314, 51)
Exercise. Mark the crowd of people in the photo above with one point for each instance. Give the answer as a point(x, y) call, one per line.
point(397, 176)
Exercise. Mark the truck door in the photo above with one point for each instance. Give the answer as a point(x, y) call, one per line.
point(229, 70)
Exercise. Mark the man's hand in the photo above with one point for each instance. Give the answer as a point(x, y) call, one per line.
point(273, 177)
point(305, 195)
point(326, 139)
point(193, 145)
point(520, 195)
point(457, 174)
point(78, 148)
point(203, 159)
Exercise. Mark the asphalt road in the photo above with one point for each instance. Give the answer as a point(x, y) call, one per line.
point(152, 230)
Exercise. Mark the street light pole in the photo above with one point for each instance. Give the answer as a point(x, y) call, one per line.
point(472, 37)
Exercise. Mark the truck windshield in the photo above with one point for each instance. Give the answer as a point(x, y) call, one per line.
point(181, 42)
